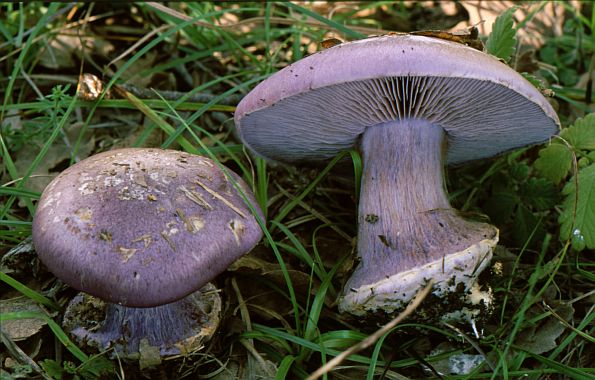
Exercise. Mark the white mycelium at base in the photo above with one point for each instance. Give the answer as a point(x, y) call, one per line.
point(394, 292)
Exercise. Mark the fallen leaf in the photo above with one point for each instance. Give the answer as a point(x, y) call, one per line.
point(542, 336)
point(21, 329)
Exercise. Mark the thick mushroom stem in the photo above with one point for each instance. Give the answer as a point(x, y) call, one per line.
point(175, 328)
point(408, 232)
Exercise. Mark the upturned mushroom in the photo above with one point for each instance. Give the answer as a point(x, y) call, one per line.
point(411, 105)
point(144, 230)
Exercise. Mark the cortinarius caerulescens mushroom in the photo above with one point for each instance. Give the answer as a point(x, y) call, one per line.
point(411, 104)
point(144, 230)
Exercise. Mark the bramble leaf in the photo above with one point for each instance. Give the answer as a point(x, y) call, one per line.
point(519, 171)
point(554, 162)
point(581, 135)
point(501, 42)
point(52, 368)
point(97, 367)
point(528, 228)
point(539, 193)
point(535, 81)
point(500, 206)
point(579, 225)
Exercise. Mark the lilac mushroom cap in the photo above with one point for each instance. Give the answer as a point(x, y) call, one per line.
point(411, 104)
point(144, 230)
point(322, 104)
point(143, 227)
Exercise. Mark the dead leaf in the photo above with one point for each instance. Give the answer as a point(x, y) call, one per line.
point(57, 153)
point(330, 42)
point(252, 262)
point(542, 336)
point(59, 53)
point(468, 36)
point(21, 260)
point(21, 329)
point(238, 370)
point(160, 80)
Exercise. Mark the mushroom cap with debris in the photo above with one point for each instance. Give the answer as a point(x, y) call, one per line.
point(144, 227)
point(321, 104)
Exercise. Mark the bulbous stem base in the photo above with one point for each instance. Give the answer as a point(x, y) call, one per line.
point(175, 328)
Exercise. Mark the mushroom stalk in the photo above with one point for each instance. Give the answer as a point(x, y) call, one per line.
point(173, 328)
point(405, 219)
point(162, 326)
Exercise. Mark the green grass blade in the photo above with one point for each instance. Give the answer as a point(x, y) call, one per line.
point(294, 202)
point(23, 289)
point(18, 65)
point(358, 168)
point(330, 23)
point(284, 367)
point(566, 371)
point(56, 329)
point(4, 190)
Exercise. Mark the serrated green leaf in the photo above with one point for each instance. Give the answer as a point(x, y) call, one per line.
point(535, 81)
point(583, 162)
point(52, 368)
point(96, 367)
point(500, 206)
point(539, 193)
point(554, 162)
point(581, 135)
point(501, 42)
point(528, 228)
point(579, 225)
point(92, 369)
point(519, 171)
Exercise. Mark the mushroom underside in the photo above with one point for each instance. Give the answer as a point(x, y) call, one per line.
point(481, 118)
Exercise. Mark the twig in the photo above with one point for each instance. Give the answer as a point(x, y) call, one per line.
point(317, 214)
point(138, 43)
point(19, 355)
point(582, 296)
point(248, 343)
point(375, 336)
point(568, 325)
point(220, 197)
point(32, 84)
point(149, 93)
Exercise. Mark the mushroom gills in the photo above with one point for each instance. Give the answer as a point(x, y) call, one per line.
point(318, 124)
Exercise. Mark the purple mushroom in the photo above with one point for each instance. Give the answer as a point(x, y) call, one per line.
point(411, 105)
point(144, 230)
